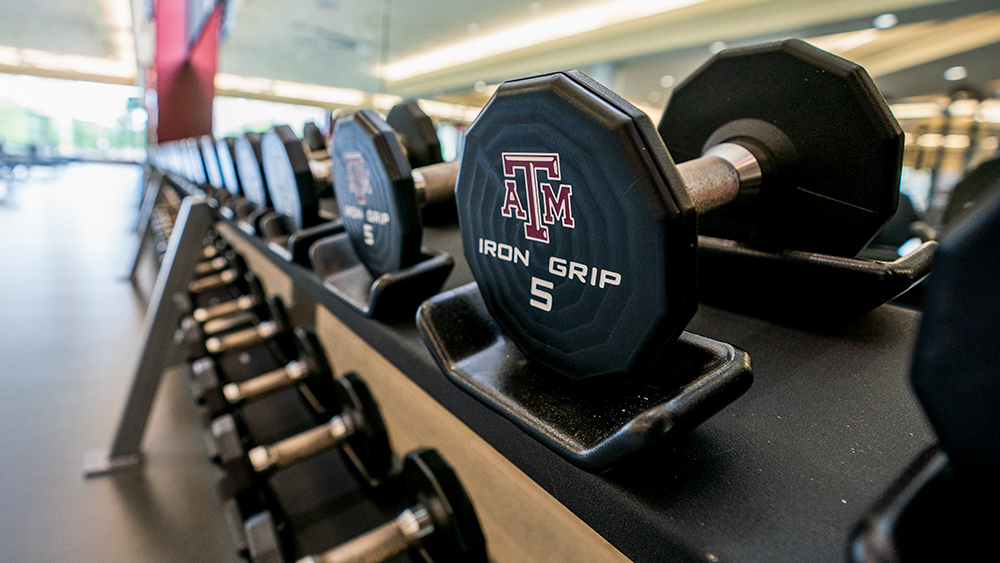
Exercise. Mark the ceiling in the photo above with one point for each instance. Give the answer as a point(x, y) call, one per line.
point(442, 48)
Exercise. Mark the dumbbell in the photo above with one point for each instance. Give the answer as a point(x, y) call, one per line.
point(316, 150)
point(213, 171)
point(934, 511)
point(256, 200)
point(379, 195)
point(233, 273)
point(440, 526)
point(416, 134)
point(357, 430)
point(225, 148)
point(582, 233)
point(954, 371)
point(274, 326)
point(293, 179)
point(194, 163)
point(309, 371)
point(252, 300)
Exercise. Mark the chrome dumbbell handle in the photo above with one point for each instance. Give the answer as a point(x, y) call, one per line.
point(266, 383)
point(382, 543)
point(211, 282)
point(241, 303)
point(303, 445)
point(209, 266)
point(242, 338)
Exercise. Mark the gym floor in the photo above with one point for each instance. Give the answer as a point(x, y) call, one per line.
point(70, 325)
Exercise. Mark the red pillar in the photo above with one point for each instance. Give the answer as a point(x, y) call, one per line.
point(185, 74)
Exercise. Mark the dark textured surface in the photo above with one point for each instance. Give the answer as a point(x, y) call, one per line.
point(69, 338)
point(782, 474)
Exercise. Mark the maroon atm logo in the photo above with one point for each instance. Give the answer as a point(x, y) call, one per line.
point(544, 204)
point(357, 177)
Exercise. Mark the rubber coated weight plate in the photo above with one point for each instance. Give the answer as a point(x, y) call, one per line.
point(226, 150)
point(955, 363)
point(248, 166)
point(313, 137)
point(828, 133)
point(196, 166)
point(211, 162)
point(375, 193)
point(417, 133)
point(320, 381)
point(457, 536)
point(289, 179)
point(369, 444)
point(587, 259)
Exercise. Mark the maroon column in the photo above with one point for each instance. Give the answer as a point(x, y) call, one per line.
point(185, 74)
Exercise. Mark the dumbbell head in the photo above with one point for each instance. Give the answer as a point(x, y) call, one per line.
point(312, 137)
point(955, 372)
point(376, 194)
point(250, 170)
point(289, 178)
point(225, 148)
point(577, 226)
point(416, 133)
point(457, 534)
point(440, 526)
point(830, 148)
point(195, 163)
point(367, 451)
point(212, 170)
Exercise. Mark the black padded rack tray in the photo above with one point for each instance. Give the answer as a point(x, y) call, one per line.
point(782, 474)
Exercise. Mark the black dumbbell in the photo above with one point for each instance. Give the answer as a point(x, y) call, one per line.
point(309, 371)
point(225, 148)
point(232, 274)
point(243, 311)
point(416, 133)
point(251, 299)
point(440, 526)
point(357, 430)
point(954, 372)
point(256, 200)
point(934, 511)
point(293, 179)
point(582, 233)
point(274, 326)
point(379, 195)
point(213, 172)
point(828, 148)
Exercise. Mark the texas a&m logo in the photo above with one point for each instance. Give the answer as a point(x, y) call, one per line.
point(544, 203)
point(357, 177)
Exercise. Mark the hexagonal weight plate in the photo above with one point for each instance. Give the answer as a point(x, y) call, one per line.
point(457, 534)
point(226, 150)
point(212, 169)
point(824, 129)
point(955, 368)
point(417, 133)
point(577, 226)
point(250, 170)
point(375, 193)
point(289, 178)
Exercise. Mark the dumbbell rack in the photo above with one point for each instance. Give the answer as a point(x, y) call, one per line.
point(782, 474)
